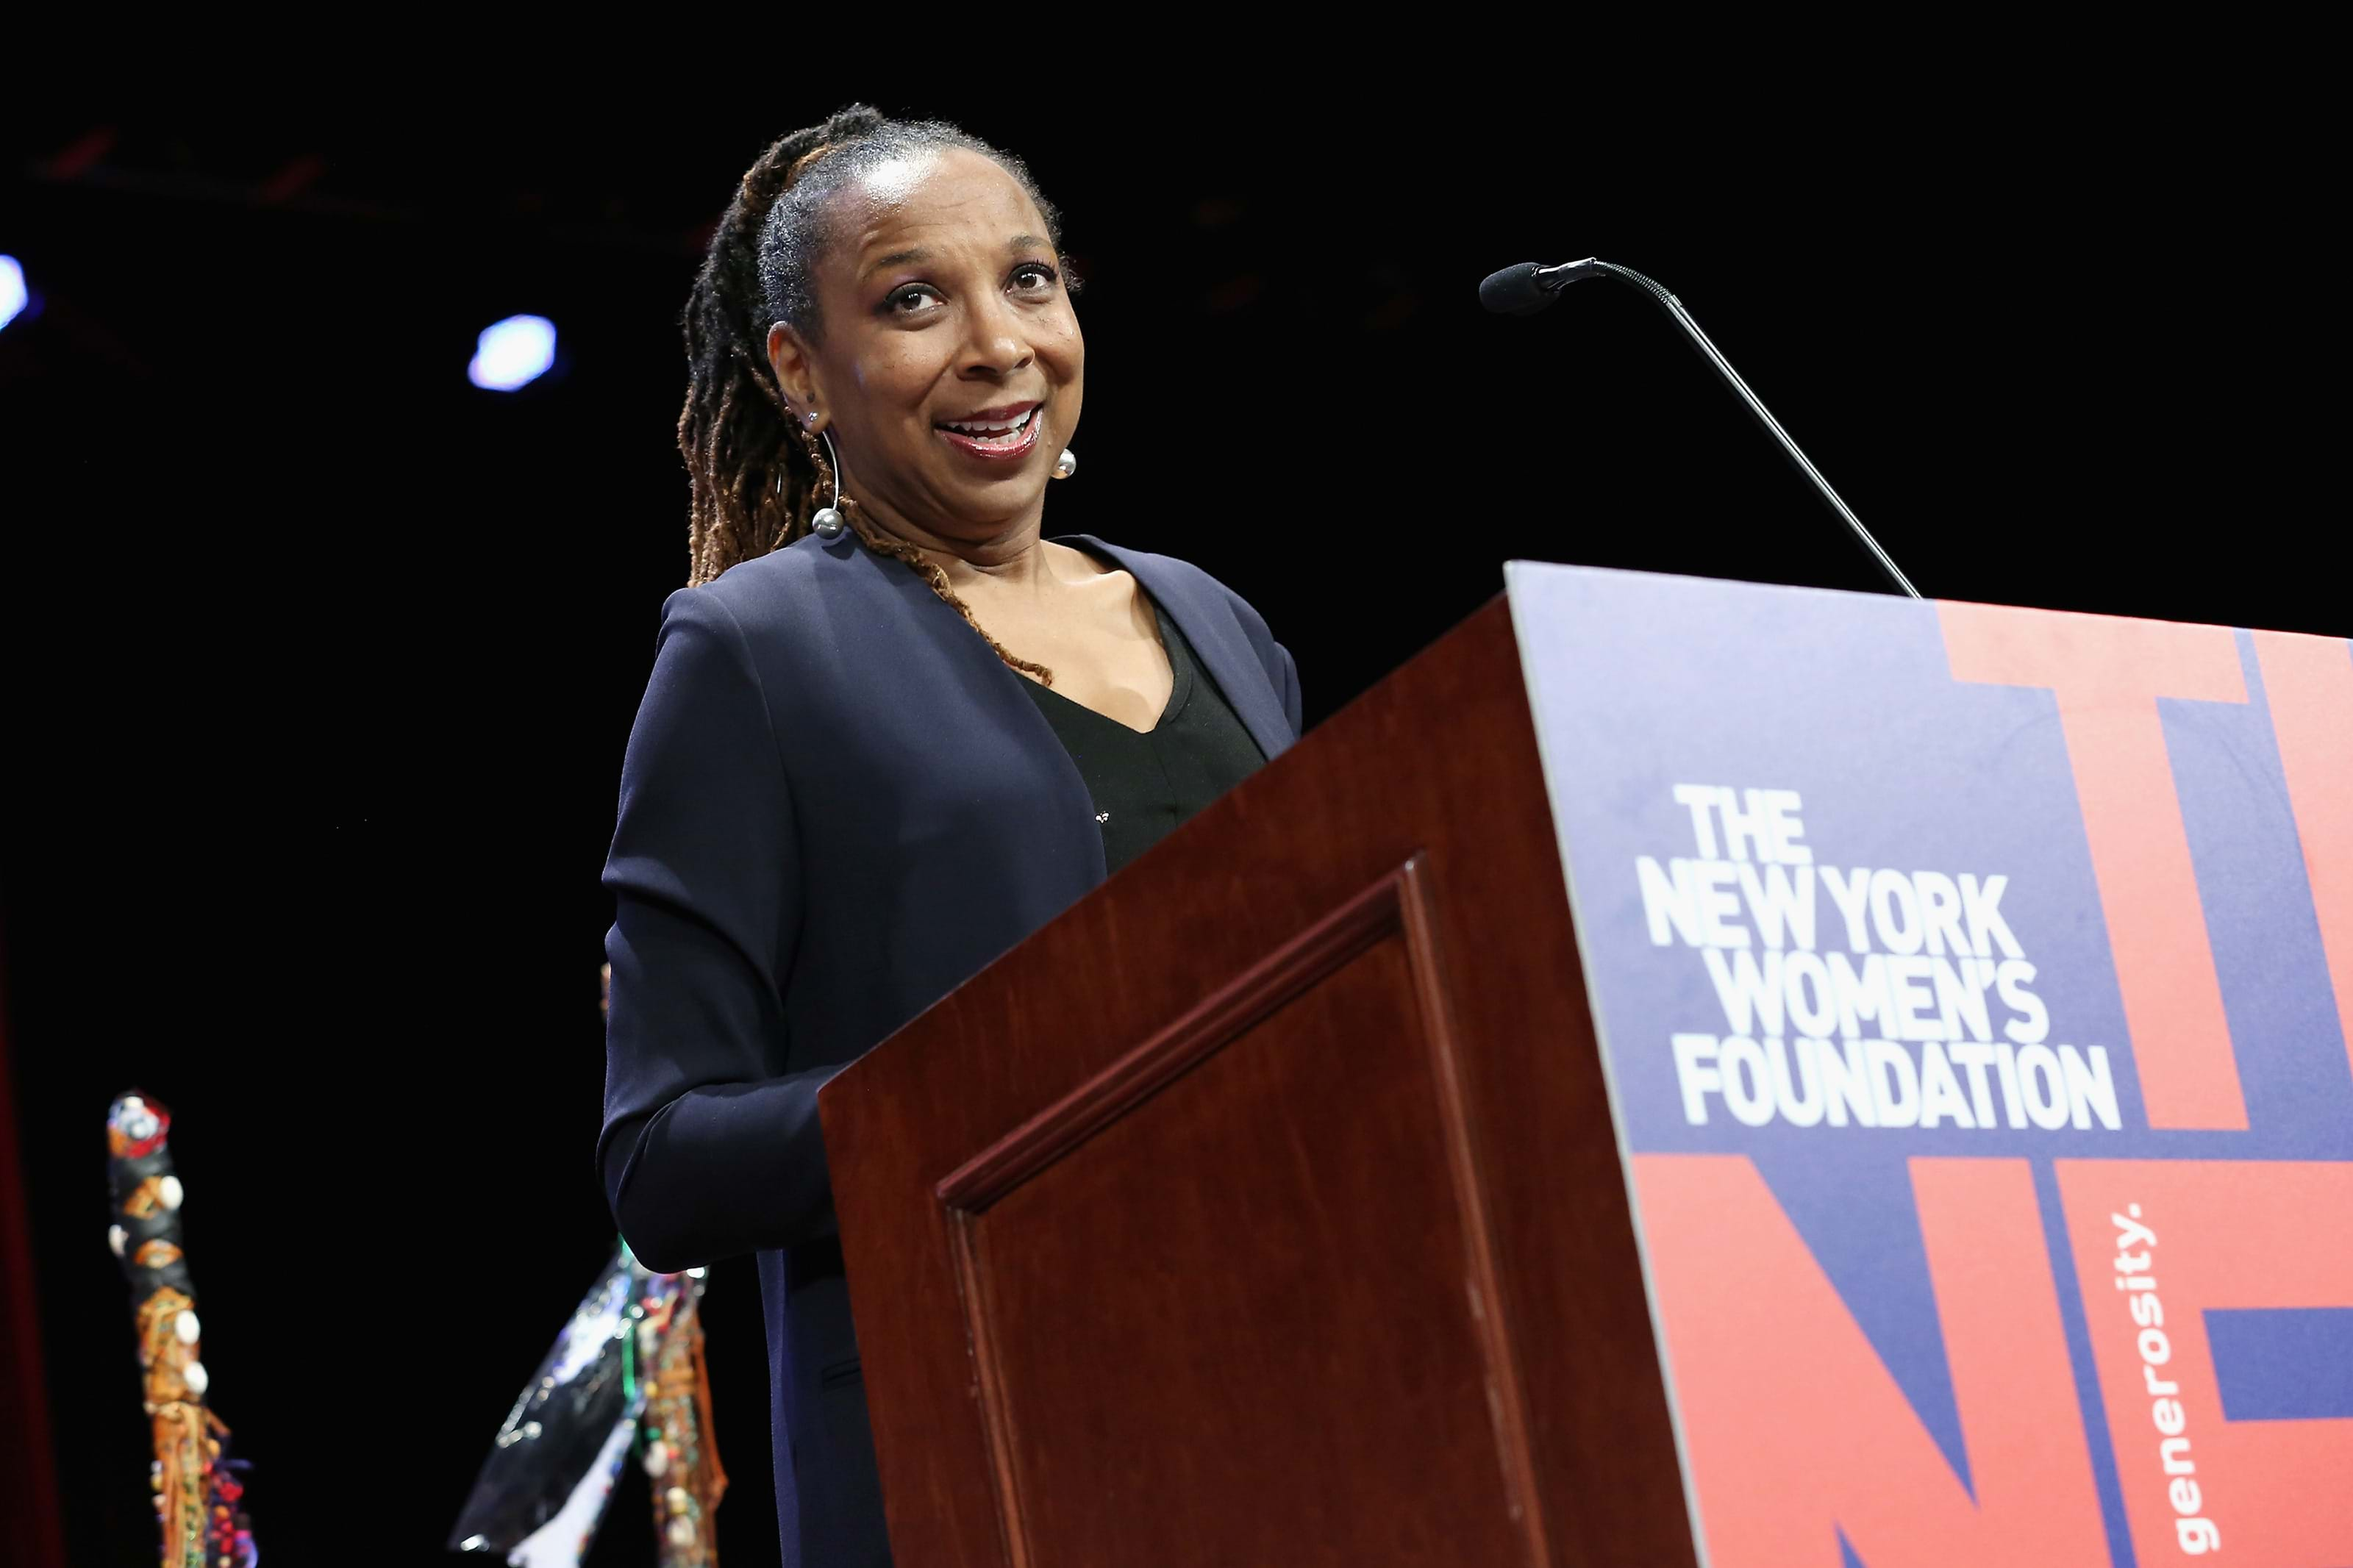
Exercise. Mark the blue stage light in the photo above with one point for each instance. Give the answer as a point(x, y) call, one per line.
point(512, 353)
point(11, 289)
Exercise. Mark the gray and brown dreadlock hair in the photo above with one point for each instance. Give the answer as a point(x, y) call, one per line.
point(756, 475)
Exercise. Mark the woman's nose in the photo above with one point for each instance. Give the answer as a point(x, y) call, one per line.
point(994, 345)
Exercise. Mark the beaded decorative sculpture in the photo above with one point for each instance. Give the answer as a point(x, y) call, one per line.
point(627, 1370)
point(197, 1489)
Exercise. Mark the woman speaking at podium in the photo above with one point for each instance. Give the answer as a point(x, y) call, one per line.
point(892, 728)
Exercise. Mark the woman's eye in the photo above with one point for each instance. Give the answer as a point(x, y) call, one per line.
point(1034, 278)
point(910, 301)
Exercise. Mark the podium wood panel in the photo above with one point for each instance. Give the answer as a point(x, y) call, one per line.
point(1265, 1208)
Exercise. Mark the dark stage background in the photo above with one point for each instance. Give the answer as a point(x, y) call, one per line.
point(321, 661)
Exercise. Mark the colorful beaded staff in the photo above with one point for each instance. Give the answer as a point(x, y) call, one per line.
point(197, 1489)
point(678, 1452)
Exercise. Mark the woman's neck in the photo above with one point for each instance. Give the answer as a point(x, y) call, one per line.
point(1015, 557)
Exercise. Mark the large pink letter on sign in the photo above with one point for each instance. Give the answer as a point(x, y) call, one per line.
point(2107, 675)
point(1794, 1429)
point(2308, 682)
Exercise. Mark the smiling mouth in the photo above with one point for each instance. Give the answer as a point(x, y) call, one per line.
point(994, 433)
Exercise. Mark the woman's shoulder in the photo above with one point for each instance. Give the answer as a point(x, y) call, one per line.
point(770, 596)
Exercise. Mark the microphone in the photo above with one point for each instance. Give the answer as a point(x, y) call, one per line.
point(1525, 289)
point(1530, 287)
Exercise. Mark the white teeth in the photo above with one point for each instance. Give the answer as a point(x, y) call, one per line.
point(985, 431)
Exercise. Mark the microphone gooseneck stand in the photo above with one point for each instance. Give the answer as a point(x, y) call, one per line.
point(1527, 289)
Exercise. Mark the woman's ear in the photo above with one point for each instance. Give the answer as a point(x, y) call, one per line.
point(789, 357)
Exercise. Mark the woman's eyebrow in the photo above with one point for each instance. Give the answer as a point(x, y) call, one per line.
point(896, 257)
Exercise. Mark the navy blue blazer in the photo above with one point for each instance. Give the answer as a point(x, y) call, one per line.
point(837, 806)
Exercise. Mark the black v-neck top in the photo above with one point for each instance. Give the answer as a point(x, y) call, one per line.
point(1146, 783)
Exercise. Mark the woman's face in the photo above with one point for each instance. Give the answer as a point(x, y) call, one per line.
point(949, 366)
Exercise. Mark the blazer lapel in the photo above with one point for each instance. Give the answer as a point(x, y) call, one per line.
point(907, 610)
point(1217, 638)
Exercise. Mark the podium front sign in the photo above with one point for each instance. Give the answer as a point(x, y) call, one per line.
point(1975, 988)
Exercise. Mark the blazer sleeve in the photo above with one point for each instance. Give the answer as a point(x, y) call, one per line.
point(710, 1148)
point(1281, 670)
point(1292, 708)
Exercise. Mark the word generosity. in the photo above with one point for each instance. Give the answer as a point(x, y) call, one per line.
point(2196, 1533)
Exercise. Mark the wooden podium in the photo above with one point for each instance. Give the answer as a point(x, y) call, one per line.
point(1265, 1207)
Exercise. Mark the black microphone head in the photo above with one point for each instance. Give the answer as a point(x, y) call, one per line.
point(1514, 291)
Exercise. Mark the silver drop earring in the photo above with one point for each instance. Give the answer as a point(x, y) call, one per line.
point(828, 520)
point(1066, 465)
